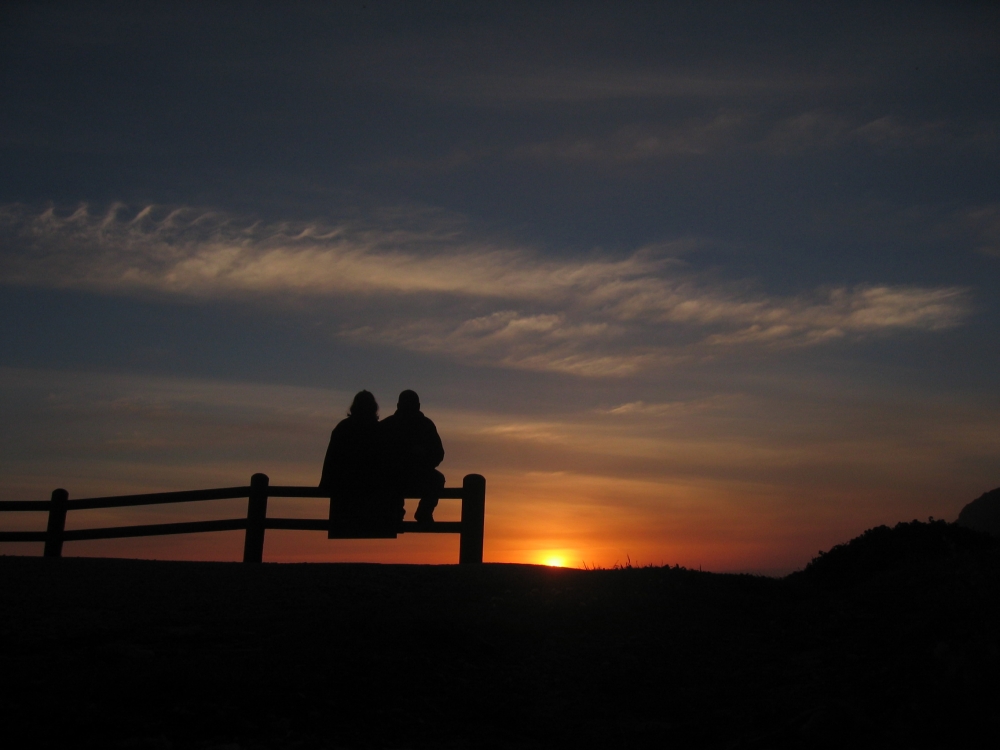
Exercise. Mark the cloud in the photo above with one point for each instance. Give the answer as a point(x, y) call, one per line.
point(576, 86)
point(642, 409)
point(983, 223)
point(748, 130)
point(820, 129)
point(634, 143)
point(423, 283)
point(508, 338)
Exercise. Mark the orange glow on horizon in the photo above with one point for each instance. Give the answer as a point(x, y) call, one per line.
point(723, 502)
point(557, 519)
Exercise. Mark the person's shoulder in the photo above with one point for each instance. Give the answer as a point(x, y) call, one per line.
point(341, 432)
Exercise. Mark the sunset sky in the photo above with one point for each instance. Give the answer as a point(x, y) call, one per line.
point(703, 284)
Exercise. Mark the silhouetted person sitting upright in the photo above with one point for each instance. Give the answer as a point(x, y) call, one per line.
point(353, 471)
point(413, 450)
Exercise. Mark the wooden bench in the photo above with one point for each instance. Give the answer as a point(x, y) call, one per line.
point(472, 493)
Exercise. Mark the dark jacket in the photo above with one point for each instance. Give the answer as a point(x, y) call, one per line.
point(353, 463)
point(411, 443)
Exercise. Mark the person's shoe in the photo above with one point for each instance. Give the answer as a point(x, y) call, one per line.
point(423, 516)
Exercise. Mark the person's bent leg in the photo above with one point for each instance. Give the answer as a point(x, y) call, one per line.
point(430, 491)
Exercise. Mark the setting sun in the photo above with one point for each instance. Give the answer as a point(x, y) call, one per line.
point(555, 562)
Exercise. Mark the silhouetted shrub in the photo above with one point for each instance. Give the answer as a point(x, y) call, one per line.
point(883, 549)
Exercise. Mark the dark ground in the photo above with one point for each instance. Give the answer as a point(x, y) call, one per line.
point(891, 641)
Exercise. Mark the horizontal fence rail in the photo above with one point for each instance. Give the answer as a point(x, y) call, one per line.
point(472, 493)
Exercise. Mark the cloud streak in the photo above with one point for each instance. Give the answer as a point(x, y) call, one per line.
point(983, 224)
point(748, 131)
point(574, 86)
point(427, 285)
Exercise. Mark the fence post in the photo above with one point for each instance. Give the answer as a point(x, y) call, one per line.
point(57, 523)
point(253, 542)
point(470, 546)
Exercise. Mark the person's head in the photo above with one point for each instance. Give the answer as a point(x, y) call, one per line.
point(409, 402)
point(364, 406)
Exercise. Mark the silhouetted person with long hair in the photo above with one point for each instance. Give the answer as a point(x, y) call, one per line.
point(354, 468)
point(413, 451)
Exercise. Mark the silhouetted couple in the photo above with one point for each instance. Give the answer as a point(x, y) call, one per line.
point(372, 466)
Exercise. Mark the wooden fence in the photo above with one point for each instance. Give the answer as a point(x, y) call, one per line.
point(472, 493)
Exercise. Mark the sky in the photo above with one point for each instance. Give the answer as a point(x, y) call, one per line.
point(706, 284)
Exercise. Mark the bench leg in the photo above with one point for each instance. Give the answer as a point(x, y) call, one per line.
point(57, 523)
point(253, 542)
point(470, 550)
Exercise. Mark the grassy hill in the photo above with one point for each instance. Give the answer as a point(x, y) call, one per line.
point(890, 641)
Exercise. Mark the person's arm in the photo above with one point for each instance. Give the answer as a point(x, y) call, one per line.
point(435, 450)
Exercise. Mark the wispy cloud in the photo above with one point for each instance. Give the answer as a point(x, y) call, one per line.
point(749, 130)
point(643, 409)
point(822, 129)
point(634, 143)
point(573, 86)
point(983, 223)
point(451, 293)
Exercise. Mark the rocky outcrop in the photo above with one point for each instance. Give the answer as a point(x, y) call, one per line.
point(983, 513)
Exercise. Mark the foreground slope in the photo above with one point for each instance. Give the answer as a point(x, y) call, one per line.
point(124, 653)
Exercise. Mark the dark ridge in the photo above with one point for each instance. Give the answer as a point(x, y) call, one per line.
point(883, 549)
point(983, 513)
point(194, 656)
